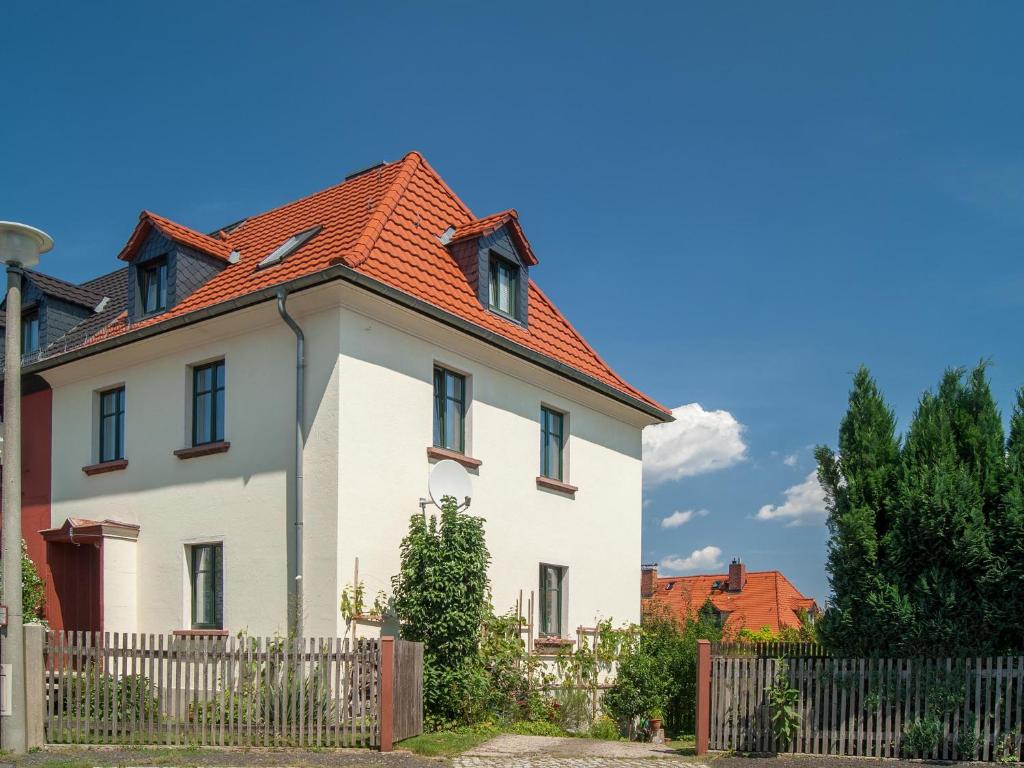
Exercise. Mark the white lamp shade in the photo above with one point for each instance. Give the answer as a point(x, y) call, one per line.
point(21, 244)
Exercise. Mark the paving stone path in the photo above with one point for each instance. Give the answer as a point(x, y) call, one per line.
point(512, 751)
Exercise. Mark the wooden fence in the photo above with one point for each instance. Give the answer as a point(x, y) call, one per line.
point(408, 687)
point(166, 689)
point(769, 649)
point(967, 709)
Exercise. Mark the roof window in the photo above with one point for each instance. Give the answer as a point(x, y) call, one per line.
point(288, 246)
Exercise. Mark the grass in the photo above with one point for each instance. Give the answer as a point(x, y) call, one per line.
point(447, 743)
point(115, 756)
point(459, 740)
point(684, 744)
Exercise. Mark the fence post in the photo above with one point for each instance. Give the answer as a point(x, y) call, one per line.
point(35, 735)
point(387, 693)
point(703, 723)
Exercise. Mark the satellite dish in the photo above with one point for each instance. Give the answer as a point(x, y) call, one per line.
point(449, 478)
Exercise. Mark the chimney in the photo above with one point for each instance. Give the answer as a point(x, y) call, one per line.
point(737, 575)
point(648, 579)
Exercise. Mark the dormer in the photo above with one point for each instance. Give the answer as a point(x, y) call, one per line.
point(51, 307)
point(495, 257)
point(166, 263)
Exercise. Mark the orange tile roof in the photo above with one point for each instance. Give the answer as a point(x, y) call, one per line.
point(494, 222)
point(768, 599)
point(385, 224)
point(173, 231)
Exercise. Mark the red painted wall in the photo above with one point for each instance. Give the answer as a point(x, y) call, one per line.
point(36, 436)
point(71, 573)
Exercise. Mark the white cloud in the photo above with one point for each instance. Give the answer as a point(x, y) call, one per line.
point(682, 517)
point(790, 461)
point(707, 559)
point(698, 441)
point(804, 504)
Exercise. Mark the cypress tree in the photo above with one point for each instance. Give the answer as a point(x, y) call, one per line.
point(858, 485)
point(940, 545)
point(1007, 578)
point(926, 548)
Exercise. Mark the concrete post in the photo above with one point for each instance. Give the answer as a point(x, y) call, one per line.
point(35, 703)
point(387, 693)
point(12, 649)
point(703, 723)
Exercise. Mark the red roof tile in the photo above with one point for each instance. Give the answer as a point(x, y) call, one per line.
point(173, 231)
point(386, 224)
point(490, 224)
point(768, 599)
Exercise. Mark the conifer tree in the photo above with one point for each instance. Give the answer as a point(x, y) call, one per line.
point(858, 484)
point(1007, 579)
point(926, 549)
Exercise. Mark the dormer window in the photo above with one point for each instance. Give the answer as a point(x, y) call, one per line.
point(153, 286)
point(504, 291)
point(30, 332)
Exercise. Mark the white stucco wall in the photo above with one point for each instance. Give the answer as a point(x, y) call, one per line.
point(120, 570)
point(239, 498)
point(387, 360)
point(369, 422)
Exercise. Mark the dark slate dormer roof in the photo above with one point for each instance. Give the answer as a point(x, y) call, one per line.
point(114, 288)
point(211, 246)
point(75, 294)
point(491, 224)
point(113, 284)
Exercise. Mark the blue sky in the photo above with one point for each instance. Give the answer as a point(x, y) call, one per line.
point(736, 203)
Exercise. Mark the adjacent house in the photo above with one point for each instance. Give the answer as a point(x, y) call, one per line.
point(742, 599)
point(163, 491)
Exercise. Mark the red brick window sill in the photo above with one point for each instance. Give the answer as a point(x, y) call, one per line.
point(443, 453)
point(202, 450)
point(200, 633)
point(105, 466)
point(556, 485)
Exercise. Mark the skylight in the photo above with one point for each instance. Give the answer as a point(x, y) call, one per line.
point(288, 246)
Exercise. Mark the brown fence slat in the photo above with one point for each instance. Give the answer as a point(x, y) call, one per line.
point(132, 688)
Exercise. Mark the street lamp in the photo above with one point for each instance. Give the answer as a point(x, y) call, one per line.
point(20, 246)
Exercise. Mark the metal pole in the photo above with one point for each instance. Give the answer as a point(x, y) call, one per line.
point(12, 726)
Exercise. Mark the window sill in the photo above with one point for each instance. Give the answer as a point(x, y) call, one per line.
point(202, 450)
point(551, 484)
point(105, 466)
point(200, 633)
point(443, 453)
point(551, 644)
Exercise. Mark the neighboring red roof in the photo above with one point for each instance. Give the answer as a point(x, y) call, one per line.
point(386, 224)
point(768, 599)
point(489, 224)
point(172, 231)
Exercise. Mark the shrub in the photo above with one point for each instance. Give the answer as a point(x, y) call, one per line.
point(921, 736)
point(441, 596)
point(639, 687)
point(536, 728)
point(128, 698)
point(783, 707)
point(509, 670)
point(604, 728)
point(673, 646)
point(967, 740)
point(574, 709)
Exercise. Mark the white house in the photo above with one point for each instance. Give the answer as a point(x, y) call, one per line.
point(171, 427)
